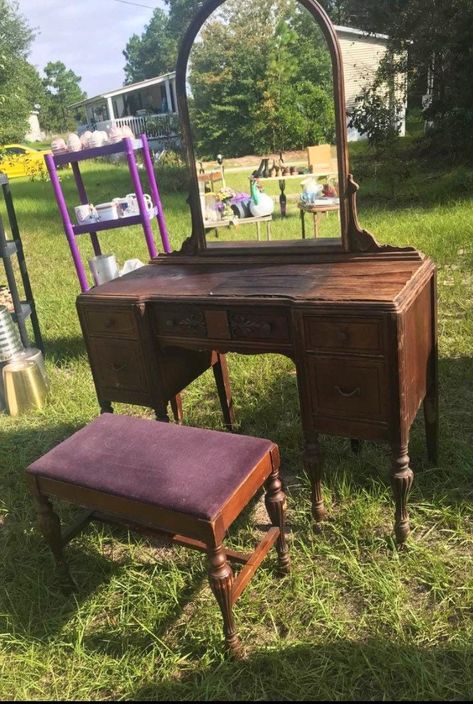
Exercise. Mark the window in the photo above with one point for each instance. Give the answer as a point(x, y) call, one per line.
point(13, 151)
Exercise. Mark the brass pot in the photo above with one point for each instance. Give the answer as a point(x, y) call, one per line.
point(24, 386)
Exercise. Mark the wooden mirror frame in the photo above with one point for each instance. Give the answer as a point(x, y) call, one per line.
point(353, 237)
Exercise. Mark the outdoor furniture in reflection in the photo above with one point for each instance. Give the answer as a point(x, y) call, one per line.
point(230, 222)
point(317, 210)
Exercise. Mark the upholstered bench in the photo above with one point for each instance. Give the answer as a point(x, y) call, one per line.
point(159, 478)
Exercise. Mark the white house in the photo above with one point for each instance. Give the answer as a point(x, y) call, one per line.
point(362, 53)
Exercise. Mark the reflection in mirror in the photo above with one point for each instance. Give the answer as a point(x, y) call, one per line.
point(262, 116)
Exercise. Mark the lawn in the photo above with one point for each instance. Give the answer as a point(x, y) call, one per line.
point(356, 619)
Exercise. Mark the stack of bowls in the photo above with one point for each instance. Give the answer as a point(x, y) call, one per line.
point(10, 341)
point(23, 382)
point(10, 345)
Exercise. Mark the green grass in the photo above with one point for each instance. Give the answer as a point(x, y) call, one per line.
point(356, 619)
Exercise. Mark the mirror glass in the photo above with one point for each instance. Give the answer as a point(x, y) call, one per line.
point(260, 93)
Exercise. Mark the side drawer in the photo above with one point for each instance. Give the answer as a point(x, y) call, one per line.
point(349, 388)
point(344, 334)
point(116, 322)
point(118, 365)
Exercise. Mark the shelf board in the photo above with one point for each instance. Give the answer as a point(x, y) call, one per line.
point(106, 150)
point(111, 224)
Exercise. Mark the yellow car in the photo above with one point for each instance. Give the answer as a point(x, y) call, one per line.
point(19, 160)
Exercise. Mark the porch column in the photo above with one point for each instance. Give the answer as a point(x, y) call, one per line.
point(174, 95)
point(111, 116)
point(168, 95)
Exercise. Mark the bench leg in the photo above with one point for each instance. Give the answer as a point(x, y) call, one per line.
point(50, 527)
point(221, 583)
point(275, 501)
point(176, 407)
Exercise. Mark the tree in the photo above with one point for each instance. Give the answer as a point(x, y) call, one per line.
point(152, 53)
point(20, 86)
point(261, 91)
point(155, 51)
point(61, 88)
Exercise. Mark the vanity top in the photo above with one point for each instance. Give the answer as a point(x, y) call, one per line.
point(347, 280)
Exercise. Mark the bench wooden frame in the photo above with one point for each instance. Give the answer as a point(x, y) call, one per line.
point(183, 529)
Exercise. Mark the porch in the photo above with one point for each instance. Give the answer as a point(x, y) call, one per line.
point(148, 107)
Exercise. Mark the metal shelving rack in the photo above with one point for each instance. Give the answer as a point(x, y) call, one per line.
point(23, 309)
point(128, 147)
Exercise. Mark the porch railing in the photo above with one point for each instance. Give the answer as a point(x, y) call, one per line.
point(164, 126)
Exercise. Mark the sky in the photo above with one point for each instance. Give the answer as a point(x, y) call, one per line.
point(88, 36)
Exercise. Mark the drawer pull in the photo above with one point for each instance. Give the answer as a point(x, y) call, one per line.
point(109, 323)
point(342, 335)
point(119, 367)
point(348, 394)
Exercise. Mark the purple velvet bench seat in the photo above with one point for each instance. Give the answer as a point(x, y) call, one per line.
point(154, 477)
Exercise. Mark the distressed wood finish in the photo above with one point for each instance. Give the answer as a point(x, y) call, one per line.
point(360, 329)
point(120, 341)
point(357, 318)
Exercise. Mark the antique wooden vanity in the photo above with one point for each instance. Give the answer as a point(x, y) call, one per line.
point(358, 319)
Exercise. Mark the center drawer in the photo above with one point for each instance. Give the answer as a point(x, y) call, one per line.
point(270, 325)
point(180, 321)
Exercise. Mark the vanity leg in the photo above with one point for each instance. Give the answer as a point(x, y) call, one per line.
point(222, 381)
point(176, 407)
point(314, 467)
point(431, 418)
point(161, 413)
point(105, 407)
point(402, 477)
point(356, 446)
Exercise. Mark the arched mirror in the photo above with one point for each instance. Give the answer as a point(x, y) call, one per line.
point(260, 88)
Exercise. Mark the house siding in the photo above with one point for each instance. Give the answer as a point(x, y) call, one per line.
point(361, 58)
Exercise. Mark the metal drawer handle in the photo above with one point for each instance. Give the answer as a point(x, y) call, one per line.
point(109, 323)
point(119, 367)
point(348, 394)
point(170, 323)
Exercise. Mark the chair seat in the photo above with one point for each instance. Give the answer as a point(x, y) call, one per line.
point(190, 470)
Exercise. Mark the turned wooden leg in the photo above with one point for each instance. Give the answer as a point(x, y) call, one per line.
point(402, 477)
point(176, 407)
point(221, 582)
point(50, 527)
point(314, 467)
point(431, 418)
point(161, 412)
point(105, 407)
point(222, 381)
point(355, 446)
point(275, 501)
